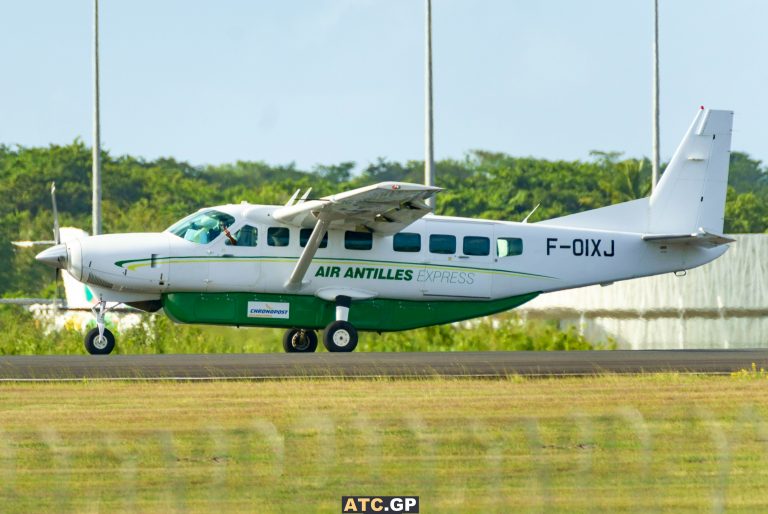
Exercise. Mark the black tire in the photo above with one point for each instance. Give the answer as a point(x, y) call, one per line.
point(299, 341)
point(340, 336)
point(96, 347)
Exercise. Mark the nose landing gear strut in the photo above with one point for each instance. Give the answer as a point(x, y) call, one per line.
point(100, 340)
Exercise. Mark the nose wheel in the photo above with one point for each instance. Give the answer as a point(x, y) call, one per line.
point(100, 340)
point(99, 344)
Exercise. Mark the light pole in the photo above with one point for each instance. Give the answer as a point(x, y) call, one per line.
point(96, 199)
point(429, 157)
point(655, 130)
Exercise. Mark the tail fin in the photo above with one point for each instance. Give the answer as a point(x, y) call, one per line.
point(690, 197)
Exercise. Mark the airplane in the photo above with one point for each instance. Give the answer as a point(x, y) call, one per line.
point(376, 258)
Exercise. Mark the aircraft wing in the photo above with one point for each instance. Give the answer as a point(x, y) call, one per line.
point(386, 208)
point(700, 238)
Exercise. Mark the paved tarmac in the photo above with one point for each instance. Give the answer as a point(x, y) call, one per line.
point(448, 364)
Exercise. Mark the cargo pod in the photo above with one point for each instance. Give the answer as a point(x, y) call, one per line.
point(248, 309)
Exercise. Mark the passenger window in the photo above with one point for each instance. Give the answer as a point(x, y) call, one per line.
point(406, 242)
point(474, 245)
point(442, 243)
point(358, 240)
point(246, 236)
point(304, 238)
point(278, 236)
point(509, 246)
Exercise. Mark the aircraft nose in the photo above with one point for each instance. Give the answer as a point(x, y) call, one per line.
point(55, 256)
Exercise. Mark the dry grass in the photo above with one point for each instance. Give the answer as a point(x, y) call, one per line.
point(612, 443)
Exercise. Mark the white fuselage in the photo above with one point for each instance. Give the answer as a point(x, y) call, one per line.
point(137, 267)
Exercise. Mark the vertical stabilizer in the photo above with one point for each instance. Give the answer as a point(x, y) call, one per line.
point(691, 194)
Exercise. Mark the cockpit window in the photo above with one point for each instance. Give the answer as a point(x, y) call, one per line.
point(202, 227)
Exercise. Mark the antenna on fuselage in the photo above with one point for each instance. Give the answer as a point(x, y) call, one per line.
point(305, 196)
point(293, 198)
point(525, 220)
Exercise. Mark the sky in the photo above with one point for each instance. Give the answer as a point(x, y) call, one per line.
point(325, 81)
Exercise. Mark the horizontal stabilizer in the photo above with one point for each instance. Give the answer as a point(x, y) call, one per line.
point(700, 238)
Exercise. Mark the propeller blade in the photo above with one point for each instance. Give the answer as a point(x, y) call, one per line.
point(57, 293)
point(30, 244)
point(56, 235)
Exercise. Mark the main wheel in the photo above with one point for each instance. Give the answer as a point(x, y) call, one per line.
point(99, 345)
point(340, 336)
point(300, 341)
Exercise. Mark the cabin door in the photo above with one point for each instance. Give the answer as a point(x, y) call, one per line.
point(234, 261)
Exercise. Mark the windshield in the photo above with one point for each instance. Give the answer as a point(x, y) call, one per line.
point(202, 227)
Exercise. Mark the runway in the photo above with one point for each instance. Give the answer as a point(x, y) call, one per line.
point(362, 365)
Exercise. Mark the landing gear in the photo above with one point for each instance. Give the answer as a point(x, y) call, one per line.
point(340, 336)
point(99, 344)
point(298, 340)
point(99, 341)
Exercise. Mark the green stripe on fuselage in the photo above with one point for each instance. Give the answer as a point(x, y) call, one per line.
point(133, 264)
point(378, 314)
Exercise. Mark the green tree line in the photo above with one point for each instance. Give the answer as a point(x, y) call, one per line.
point(149, 195)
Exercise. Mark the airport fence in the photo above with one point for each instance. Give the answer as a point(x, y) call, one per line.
point(616, 461)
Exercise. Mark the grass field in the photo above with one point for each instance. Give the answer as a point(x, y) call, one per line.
point(608, 444)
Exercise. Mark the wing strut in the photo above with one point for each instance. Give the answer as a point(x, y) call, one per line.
point(294, 282)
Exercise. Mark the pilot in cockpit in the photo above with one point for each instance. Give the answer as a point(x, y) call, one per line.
point(222, 227)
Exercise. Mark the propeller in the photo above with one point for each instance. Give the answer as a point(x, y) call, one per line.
point(56, 234)
point(57, 240)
